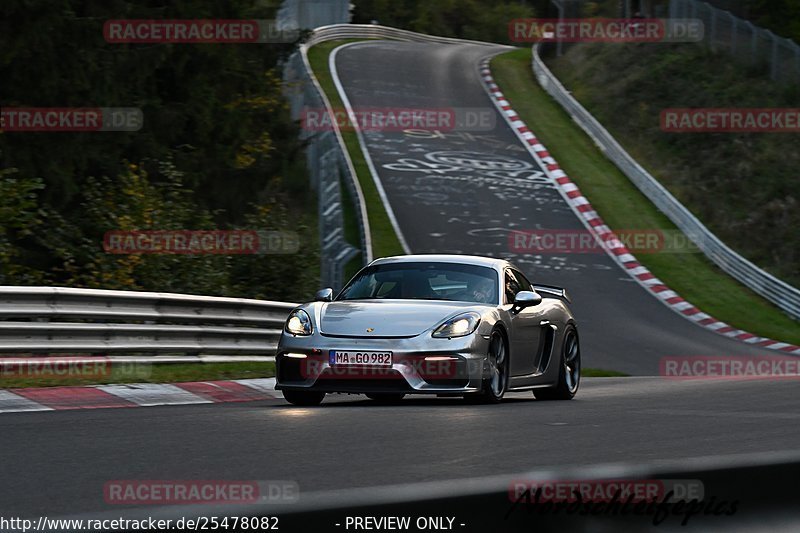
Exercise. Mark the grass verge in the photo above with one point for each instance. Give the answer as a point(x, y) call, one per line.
point(384, 238)
point(157, 373)
point(622, 206)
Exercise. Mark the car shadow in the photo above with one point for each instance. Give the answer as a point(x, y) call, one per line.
point(331, 402)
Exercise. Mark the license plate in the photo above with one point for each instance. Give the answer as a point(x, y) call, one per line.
point(339, 357)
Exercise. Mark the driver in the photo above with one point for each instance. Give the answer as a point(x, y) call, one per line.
point(482, 290)
point(415, 285)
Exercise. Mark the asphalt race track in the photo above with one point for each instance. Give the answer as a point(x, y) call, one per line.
point(63, 459)
point(58, 462)
point(622, 327)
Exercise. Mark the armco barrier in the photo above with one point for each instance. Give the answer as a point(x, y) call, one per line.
point(329, 166)
point(64, 320)
point(776, 291)
point(328, 159)
point(773, 289)
point(53, 319)
point(87, 321)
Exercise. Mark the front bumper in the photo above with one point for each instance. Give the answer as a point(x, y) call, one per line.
point(420, 365)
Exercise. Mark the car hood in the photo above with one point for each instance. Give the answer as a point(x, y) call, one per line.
point(386, 318)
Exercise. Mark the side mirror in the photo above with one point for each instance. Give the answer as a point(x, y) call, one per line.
point(324, 295)
point(525, 299)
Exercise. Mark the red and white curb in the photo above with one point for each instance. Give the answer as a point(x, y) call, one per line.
point(136, 395)
point(616, 249)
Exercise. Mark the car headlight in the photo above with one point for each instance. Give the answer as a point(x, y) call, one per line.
point(299, 323)
point(458, 326)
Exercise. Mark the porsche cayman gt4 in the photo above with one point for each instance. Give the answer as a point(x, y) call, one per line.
point(449, 325)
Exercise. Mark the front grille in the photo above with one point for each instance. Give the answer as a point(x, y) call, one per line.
point(454, 383)
point(372, 337)
point(363, 385)
point(453, 373)
point(289, 370)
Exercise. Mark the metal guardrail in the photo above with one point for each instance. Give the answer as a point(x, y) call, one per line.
point(329, 166)
point(742, 39)
point(773, 289)
point(65, 320)
point(328, 159)
point(57, 320)
point(375, 31)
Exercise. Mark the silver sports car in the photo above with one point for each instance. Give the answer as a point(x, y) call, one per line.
point(450, 325)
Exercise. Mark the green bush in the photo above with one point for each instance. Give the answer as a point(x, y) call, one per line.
point(744, 187)
point(217, 151)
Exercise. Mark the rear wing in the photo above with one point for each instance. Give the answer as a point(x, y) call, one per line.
point(552, 290)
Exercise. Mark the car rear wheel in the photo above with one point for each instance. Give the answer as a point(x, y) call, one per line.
point(303, 398)
point(496, 369)
point(386, 397)
point(569, 375)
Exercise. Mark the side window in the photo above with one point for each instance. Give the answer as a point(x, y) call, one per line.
point(512, 286)
point(523, 281)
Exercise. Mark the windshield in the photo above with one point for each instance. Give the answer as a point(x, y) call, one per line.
point(424, 281)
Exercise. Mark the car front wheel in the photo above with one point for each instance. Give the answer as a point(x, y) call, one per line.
point(495, 381)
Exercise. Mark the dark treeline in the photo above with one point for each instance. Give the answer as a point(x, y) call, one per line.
point(488, 19)
point(217, 151)
point(485, 20)
point(780, 16)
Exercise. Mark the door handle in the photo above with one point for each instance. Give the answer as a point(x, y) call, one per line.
point(544, 323)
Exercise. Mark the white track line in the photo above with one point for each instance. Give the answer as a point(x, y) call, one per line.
point(149, 394)
point(361, 141)
point(13, 403)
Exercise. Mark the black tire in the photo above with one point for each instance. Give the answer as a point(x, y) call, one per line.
point(569, 373)
point(386, 398)
point(496, 383)
point(303, 398)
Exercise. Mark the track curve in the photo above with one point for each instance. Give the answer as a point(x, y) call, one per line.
point(472, 210)
point(61, 460)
